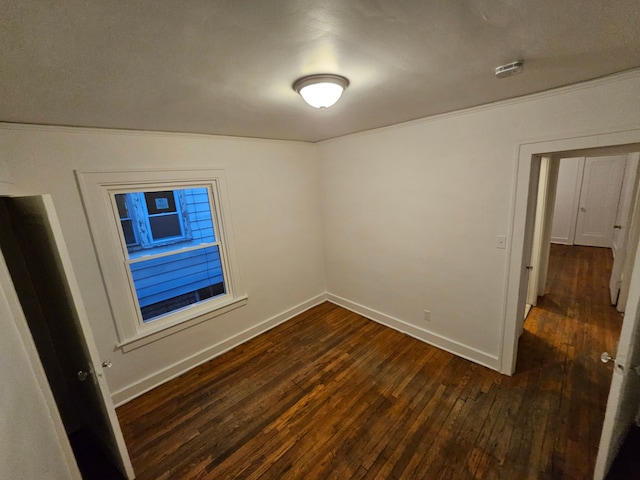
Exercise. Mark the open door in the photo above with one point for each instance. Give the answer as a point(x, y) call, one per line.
point(622, 228)
point(538, 234)
point(547, 184)
point(523, 306)
point(50, 293)
point(624, 394)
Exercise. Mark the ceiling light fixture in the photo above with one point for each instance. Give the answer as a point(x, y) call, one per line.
point(321, 91)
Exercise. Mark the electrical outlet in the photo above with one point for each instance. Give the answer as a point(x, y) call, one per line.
point(427, 315)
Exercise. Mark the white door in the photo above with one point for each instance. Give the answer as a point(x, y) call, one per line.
point(45, 251)
point(624, 394)
point(542, 230)
point(523, 306)
point(621, 232)
point(538, 234)
point(599, 197)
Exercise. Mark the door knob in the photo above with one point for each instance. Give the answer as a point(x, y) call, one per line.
point(617, 226)
point(82, 375)
point(606, 358)
point(107, 364)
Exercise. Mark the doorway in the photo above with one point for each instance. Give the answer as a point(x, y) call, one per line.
point(523, 219)
point(622, 404)
point(584, 201)
point(594, 201)
point(588, 271)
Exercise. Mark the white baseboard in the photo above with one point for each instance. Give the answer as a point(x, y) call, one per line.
point(149, 382)
point(434, 339)
point(560, 240)
point(156, 379)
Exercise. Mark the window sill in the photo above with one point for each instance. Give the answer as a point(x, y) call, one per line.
point(150, 336)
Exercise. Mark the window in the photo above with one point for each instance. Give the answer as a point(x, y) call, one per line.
point(172, 253)
point(163, 242)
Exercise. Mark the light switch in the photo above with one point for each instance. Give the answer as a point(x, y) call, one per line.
point(501, 241)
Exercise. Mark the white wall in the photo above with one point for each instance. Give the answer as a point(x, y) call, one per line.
point(411, 212)
point(402, 219)
point(567, 197)
point(275, 204)
point(32, 441)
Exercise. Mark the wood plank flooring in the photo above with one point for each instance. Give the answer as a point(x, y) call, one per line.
point(330, 394)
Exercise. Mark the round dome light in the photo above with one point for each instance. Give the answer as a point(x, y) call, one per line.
point(321, 91)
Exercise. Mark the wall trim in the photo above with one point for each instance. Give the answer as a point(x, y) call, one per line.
point(128, 393)
point(607, 79)
point(433, 339)
point(560, 240)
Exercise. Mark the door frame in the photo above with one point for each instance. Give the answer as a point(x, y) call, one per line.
point(524, 197)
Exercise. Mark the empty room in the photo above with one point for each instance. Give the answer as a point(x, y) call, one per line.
point(310, 240)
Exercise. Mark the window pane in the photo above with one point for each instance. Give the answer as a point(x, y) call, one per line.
point(165, 226)
point(122, 205)
point(190, 224)
point(160, 202)
point(200, 219)
point(172, 282)
point(127, 229)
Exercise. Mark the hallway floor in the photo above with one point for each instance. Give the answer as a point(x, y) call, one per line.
point(564, 335)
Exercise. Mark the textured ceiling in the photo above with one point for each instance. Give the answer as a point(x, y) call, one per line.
point(226, 67)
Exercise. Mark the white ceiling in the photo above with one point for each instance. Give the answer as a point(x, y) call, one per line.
point(226, 67)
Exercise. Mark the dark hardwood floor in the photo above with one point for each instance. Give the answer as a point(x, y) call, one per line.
point(330, 394)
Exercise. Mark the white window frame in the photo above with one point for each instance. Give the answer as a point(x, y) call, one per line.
point(98, 191)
